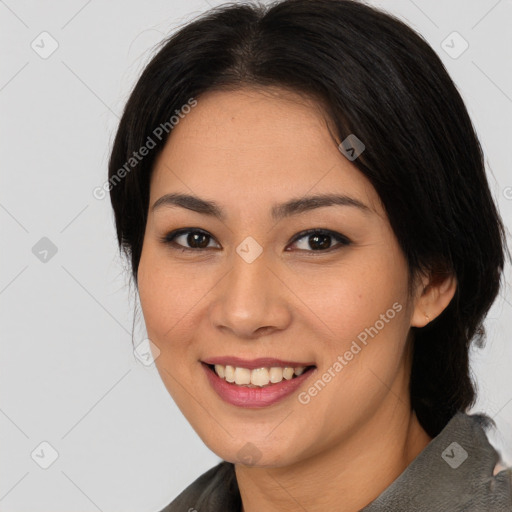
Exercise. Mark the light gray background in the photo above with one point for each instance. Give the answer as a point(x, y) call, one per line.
point(68, 374)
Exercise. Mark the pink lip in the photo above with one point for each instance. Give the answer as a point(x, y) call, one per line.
point(254, 397)
point(250, 364)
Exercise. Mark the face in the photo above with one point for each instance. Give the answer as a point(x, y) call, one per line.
point(314, 283)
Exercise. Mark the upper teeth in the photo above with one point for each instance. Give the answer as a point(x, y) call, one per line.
point(258, 376)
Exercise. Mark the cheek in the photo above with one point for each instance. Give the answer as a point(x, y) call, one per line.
point(170, 304)
point(360, 322)
point(352, 296)
point(160, 295)
point(360, 327)
point(171, 297)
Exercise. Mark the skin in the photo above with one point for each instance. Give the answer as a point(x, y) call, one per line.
point(247, 150)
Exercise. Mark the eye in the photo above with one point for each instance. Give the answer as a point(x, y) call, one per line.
point(319, 240)
point(196, 239)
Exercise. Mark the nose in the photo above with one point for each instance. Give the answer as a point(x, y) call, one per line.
point(251, 300)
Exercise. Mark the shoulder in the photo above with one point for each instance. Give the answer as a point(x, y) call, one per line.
point(215, 490)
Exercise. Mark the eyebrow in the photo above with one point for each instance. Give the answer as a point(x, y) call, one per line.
point(279, 211)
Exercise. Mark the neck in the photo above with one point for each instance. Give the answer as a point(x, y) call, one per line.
point(346, 477)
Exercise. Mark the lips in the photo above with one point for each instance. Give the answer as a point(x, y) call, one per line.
point(251, 364)
point(255, 397)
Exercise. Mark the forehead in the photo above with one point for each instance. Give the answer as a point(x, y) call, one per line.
point(249, 120)
point(252, 141)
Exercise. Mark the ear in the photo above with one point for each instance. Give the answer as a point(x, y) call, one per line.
point(433, 294)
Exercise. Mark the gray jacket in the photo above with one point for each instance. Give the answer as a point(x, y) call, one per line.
point(454, 473)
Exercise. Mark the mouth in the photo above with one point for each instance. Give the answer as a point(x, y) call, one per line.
point(255, 387)
point(261, 377)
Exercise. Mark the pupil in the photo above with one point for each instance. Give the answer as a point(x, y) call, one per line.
point(194, 240)
point(315, 245)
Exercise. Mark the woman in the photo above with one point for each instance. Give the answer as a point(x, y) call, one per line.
point(303, 200)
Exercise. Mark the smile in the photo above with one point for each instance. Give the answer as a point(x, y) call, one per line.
point(256, 387)
point(257, 377)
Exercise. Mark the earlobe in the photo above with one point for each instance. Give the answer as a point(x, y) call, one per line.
point(434, 297)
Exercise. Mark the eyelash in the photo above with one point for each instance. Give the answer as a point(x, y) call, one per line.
point(169, 238)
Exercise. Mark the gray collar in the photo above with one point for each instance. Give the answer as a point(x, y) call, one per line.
point(454, 472)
